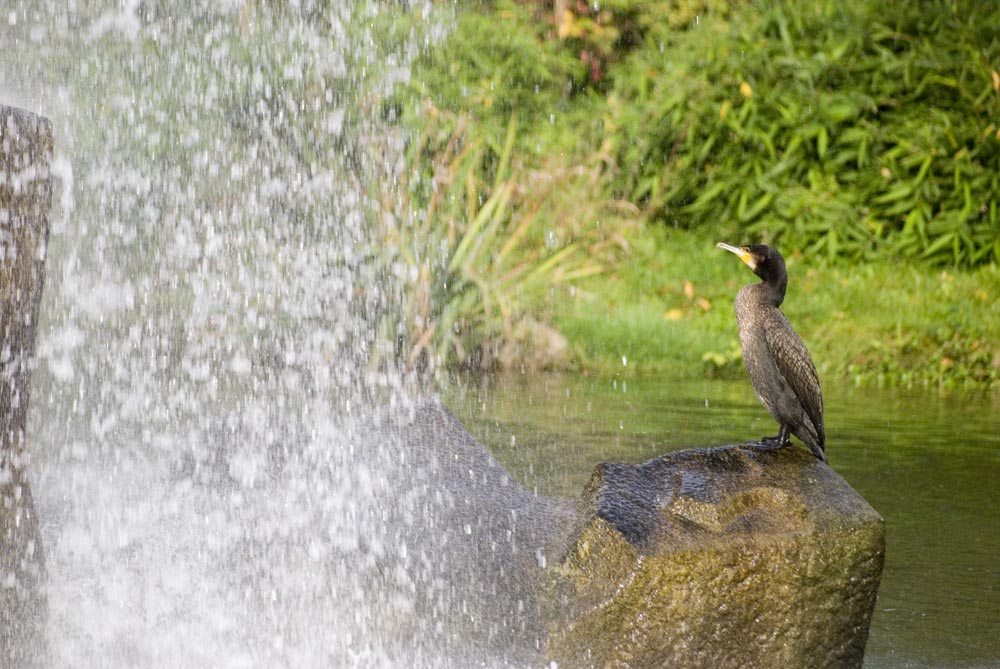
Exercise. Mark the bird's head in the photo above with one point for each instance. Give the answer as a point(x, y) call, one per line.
point(765, 261)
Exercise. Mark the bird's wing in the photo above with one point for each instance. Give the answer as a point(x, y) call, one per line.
point(793, 361)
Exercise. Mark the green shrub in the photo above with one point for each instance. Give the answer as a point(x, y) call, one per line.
point(847, 128)
point(498, 60)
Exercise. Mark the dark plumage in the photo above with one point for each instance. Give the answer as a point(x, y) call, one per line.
point(779, 366)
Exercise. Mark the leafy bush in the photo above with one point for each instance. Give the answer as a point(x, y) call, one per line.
point(497, 61)
point(847, 128)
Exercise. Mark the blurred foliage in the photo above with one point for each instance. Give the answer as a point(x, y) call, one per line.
point(501, 59)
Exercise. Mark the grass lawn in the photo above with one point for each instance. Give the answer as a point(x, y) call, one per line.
point(667, 308)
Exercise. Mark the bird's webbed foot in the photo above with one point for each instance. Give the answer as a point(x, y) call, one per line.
point(765, 444)
point(780, 440)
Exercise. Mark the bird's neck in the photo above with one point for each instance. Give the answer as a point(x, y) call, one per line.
point(771, 291)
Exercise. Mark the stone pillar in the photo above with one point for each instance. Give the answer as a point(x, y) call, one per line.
point(25, 196)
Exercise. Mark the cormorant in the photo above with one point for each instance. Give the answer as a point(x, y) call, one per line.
point(779, 366)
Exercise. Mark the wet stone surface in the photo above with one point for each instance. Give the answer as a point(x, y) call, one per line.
point(718, 557)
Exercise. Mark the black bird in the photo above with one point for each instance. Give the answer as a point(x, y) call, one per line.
point(781, 371)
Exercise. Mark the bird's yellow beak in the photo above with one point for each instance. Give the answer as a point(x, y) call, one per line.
point(740, 252)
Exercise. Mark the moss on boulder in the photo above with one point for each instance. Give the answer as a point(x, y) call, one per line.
point(720, 557)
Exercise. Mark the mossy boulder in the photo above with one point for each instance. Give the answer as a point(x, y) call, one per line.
point(720, 557)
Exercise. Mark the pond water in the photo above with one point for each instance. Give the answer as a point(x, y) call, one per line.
point(928, 462)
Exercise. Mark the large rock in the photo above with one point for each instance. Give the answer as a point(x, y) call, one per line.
point(720, 557)
point(476, 542)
